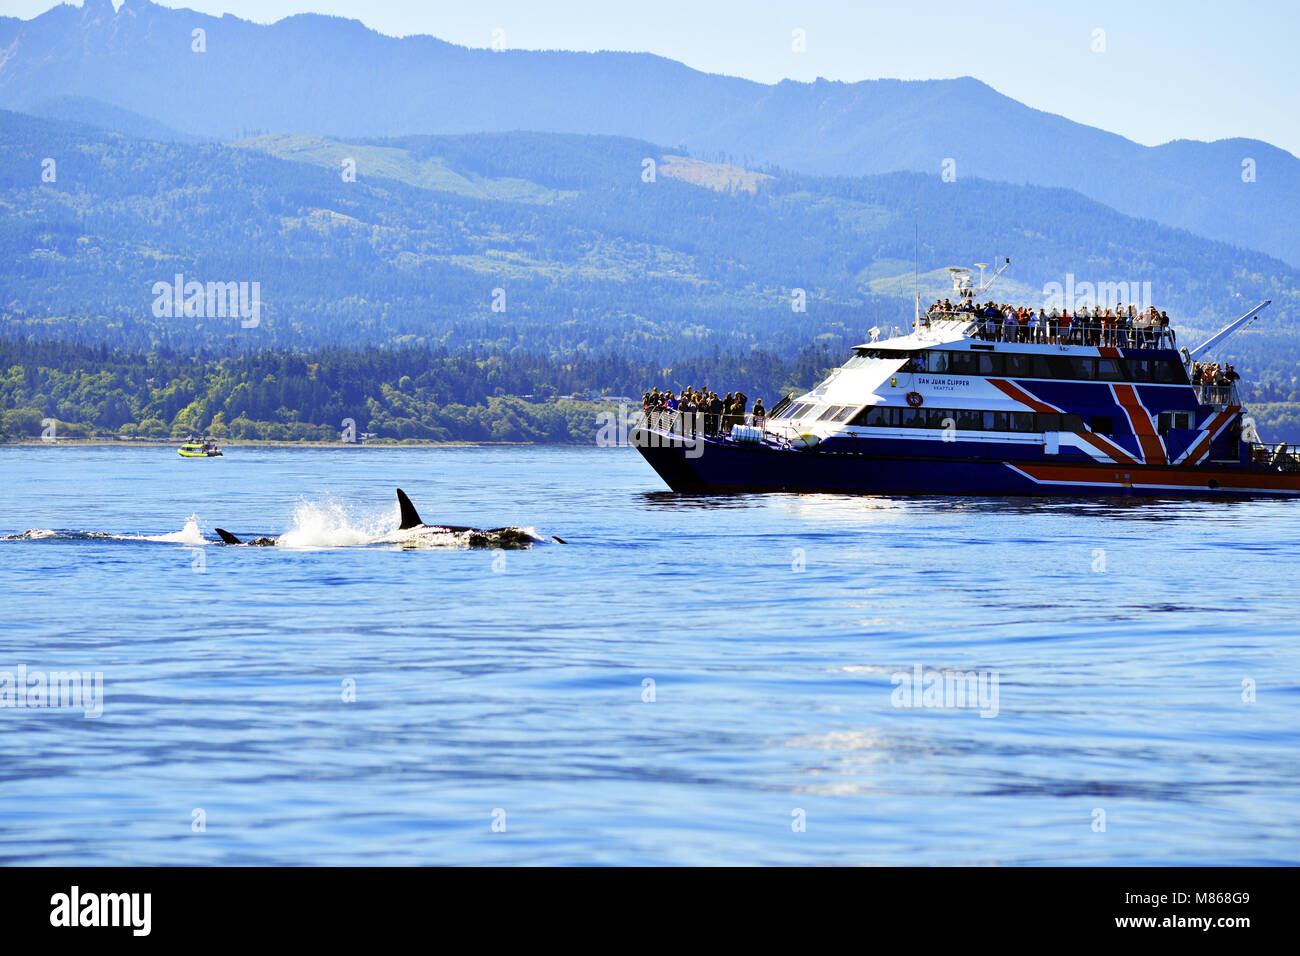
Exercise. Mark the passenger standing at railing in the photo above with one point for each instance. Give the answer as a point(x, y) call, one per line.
point(714, 424)
point(760, 413)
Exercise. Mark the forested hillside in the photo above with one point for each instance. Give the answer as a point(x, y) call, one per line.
point(585, 252)
point(547, 262)
point(412, 393)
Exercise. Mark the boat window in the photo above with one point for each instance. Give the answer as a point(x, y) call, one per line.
point(1166, 372)
point(917, 362)
point(939, 362)
point(1103, 424)
point(831, 412)
point(961, 363)
point(1108, 370)
point(875, 416)
point(1018, 366)
point(1059, 366)
point(1022, 421)
point(911, 418)
point(939, 418)
point(997, 421)
point(969, 419)
point(845, 412)
point(990, 363)
point(1072, 423)
point(1083, 368)
point(1048, 422)
point(1139, 370)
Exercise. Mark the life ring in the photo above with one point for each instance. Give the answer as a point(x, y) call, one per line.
point(915, 399)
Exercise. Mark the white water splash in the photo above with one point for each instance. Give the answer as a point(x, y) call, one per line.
point(328, 524)
point(190, 534)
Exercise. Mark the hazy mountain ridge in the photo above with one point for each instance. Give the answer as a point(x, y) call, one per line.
point(286, 78)
point(588, 255)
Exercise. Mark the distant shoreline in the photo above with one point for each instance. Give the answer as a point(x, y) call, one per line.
point(254, 443)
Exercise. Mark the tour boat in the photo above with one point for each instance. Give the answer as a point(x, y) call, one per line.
point(951, 408)
point(200, 449)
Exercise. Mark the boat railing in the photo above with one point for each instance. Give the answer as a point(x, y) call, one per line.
point(1217, 395)
point(1275, 457)
point(1082, 331)
point(692, 424)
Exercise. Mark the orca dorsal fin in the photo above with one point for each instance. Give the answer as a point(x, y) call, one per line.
point(410, 517)
point(226, 537)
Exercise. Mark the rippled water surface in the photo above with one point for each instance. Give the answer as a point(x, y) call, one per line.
point(687, 680)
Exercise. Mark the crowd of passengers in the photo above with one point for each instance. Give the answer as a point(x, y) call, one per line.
point(1209, 373)
point(703, 410)
point(1118, 327)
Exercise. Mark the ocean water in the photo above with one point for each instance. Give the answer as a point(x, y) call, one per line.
point(719, 680)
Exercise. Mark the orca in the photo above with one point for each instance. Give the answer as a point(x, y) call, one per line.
point(228, 538)
point(410, 521)
point(410, 526)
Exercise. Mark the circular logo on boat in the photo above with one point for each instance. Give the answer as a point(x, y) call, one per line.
point(915, 399)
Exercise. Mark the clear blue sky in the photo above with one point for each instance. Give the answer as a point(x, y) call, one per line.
point(1171, 70)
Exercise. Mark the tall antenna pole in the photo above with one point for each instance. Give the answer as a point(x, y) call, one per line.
point(916, 259)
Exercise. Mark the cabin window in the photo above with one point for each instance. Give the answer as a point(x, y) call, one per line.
point(990, 363)
point(845, 412)
point(1108, 370)
point(1168, 373)
point(1083, 368)
point(961, 363)
point(911, 418)
point(1022, 421)
point(937, 417)
point(831, 412)
point(997, 421)
point(1103, 424)
point(969, 420)
point(1018, 366)
point(1048, 422)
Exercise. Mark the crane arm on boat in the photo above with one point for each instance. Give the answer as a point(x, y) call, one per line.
point(1220, 336)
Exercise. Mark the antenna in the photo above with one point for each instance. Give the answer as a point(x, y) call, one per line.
point(984, 286)
point(916, 260)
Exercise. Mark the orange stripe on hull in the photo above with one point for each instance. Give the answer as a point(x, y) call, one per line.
point(1153, 449)
point(1145, 476)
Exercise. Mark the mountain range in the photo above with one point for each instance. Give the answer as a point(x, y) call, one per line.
point(136, 70)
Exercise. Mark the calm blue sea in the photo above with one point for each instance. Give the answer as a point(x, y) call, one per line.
point(687, 681)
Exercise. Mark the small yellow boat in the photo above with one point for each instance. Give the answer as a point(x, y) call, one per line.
point(200, 449)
